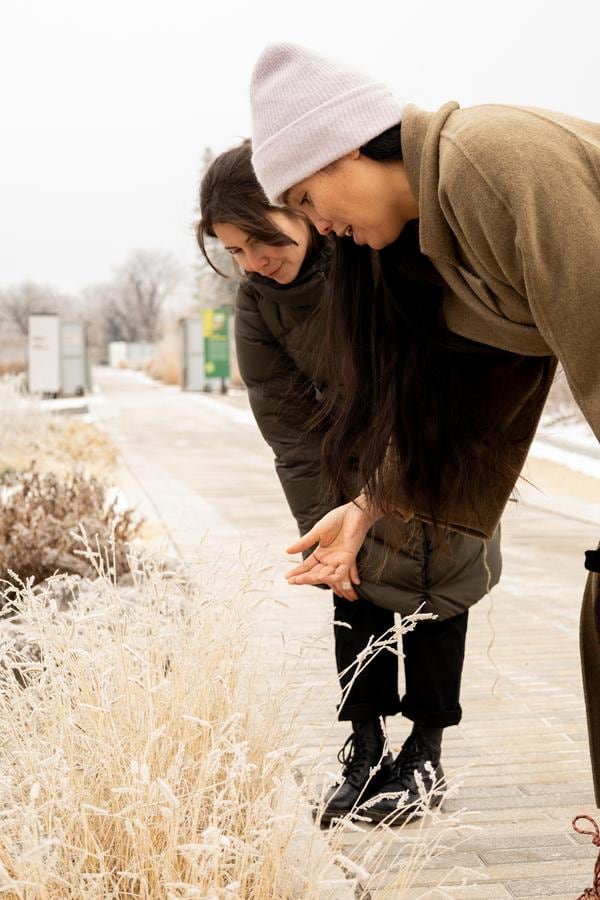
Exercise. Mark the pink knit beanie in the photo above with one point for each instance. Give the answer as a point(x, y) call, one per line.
point(308, 111)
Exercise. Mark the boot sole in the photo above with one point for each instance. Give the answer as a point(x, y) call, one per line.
point(374, 817)
point(403, 814)
point(325, 816)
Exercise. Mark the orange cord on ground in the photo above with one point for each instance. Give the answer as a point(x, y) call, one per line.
point(594, 891)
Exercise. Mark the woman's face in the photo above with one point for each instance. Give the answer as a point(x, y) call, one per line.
point(282, 264)
point(357, 197)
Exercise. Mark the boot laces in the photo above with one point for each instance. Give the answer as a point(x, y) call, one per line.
point(353, 755)
point(412, 756)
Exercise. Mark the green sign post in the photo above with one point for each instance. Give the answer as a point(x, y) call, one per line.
point(216, 343)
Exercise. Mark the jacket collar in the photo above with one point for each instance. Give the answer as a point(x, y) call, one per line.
point(420, 137)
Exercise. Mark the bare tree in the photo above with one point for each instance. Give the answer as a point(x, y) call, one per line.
point(134, 301)
point(17, 304)
point(211, 288)
point(97, 302)
point(27, 299)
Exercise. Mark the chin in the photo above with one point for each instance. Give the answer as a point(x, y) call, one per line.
point(378, 242)
point(287, 278)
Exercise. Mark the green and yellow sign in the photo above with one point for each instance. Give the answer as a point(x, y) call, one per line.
point(216, 343)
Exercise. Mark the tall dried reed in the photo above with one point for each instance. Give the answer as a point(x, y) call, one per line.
point(145, 754)
point(142, 752)
point(166, 364)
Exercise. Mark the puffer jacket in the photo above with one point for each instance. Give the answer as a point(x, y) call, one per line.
point(403, 566)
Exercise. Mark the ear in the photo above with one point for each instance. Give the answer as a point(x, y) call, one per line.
point(347, 157)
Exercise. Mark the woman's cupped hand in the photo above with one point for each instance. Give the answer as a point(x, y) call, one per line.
point(338, 536)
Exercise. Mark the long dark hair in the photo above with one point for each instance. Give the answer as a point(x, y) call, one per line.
point(230, 193)
point(416, 405)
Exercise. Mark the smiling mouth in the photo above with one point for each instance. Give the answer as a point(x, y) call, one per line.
point(274, 272)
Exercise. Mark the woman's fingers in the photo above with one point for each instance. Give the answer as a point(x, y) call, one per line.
point(303, 567)
point(318, 574)
point(339, 578)
point(303, 543)
point(347, 593)
point(354, 576)
point(326, 575)
point(342, 583)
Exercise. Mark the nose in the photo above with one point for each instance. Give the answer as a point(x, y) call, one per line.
point(323, 226)
point(256, 260)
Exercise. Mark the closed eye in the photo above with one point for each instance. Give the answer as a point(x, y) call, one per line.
point(305, 200)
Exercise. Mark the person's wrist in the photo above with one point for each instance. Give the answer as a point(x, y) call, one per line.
point(363, 511)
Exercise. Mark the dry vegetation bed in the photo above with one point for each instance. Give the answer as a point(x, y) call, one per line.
point(29, 435)
point(143, 753)
point(52, 484)
point(40, 516)
point(12, 367)
point(165, 365)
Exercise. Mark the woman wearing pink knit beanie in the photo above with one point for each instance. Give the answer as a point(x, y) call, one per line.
point(443, 344)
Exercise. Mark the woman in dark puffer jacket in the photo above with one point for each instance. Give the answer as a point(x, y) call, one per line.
point(404, 567)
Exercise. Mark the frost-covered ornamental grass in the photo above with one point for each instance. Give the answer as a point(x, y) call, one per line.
point(144, 755)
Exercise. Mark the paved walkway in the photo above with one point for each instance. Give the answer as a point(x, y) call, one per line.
point(197, 466)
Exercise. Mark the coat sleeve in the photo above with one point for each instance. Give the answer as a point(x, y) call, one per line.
point(527, 202)
point(282, 400)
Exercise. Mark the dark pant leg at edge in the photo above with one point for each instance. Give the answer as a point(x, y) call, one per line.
point(589, 635)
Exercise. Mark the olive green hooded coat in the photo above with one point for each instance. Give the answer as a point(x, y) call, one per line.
point(278, 346)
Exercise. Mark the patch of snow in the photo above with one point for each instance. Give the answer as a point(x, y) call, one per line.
point(576, 461)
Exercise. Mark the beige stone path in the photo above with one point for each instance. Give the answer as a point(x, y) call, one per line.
point(198, 466)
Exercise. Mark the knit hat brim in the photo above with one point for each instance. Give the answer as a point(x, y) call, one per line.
point(296, 132)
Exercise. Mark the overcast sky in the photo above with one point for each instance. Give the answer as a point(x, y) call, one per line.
point(106, 107)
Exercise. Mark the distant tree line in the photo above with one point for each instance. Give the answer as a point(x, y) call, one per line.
point(132, 305)
point(129, 307)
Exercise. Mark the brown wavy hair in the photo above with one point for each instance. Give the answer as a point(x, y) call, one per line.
point(230, 193)
point(417, 406)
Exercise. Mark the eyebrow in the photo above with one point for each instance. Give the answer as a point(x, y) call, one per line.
point(285, 197)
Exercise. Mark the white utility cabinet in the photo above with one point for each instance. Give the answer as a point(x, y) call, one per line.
point(58, 362)
point(44, 354)
point(74, 372)
point(192, 335)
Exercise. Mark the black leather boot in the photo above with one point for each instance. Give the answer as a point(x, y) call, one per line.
point(363, 751)
point(422, 746)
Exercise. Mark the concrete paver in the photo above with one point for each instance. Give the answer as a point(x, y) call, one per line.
point(198, 467)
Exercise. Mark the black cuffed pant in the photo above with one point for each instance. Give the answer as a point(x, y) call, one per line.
point(589, 642)
point(433, 661)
